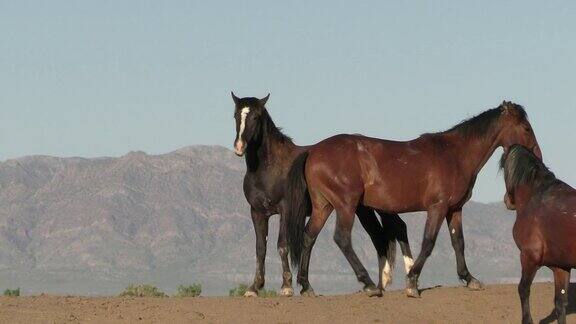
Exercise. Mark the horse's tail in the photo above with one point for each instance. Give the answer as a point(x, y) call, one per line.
point(298, 207)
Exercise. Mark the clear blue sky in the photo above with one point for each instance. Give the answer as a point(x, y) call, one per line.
point(82, 78)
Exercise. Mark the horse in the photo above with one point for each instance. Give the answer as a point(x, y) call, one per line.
point(434, 172)
point(269, 155)
point(545, 224)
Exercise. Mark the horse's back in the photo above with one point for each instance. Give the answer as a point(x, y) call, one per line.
point(373, 168)
point(332, 169)
point(334, 154)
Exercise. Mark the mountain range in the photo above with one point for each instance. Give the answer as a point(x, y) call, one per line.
point(92, 226)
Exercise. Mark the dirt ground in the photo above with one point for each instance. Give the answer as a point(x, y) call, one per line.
point(495, 304)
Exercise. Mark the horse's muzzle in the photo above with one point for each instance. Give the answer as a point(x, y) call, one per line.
point(239, 147)
point(508, 202)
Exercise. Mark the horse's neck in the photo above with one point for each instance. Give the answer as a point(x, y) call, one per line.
point(265, 153)
point(540, 190)
point(475, 152)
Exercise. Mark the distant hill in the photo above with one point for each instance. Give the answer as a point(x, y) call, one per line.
point(90, 226)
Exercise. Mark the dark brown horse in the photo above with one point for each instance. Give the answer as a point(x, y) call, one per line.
point(435, 172)
point(269, 155)
point(545, 228)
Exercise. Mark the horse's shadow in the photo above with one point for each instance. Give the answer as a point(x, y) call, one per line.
point(570, 309)
point(429, 288)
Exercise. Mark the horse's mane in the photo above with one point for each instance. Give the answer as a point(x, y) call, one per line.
point(272, 130)
point(522, 167)
point(483, 123)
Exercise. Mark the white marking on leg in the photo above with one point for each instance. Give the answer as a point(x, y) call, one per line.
point(453, 230)
point(386, 275)
point(408, 263)
point(287, 291)
point(249, 293)
point(243, 113)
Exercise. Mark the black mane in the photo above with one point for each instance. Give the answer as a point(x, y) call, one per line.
point(521, 167)
point(483, 123)
point(270, 129)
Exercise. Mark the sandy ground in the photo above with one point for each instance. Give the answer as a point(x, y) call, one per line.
point(495, 304)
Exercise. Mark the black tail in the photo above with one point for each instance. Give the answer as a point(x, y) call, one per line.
point(298, 207)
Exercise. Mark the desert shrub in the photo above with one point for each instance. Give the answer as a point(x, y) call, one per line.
point(142, 291)
point(193, 290)
point(240, 290)
point(12, 292)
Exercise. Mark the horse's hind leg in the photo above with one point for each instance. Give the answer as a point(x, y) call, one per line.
point(561, 281)
point(454, 222)
point(286, 289)
point(529, 269)
point(320, 213)
point(393, 224)
point(343, 239)
point(379, 239)
point(261, 228)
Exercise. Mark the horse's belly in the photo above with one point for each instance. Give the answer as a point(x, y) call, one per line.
point(389, 200)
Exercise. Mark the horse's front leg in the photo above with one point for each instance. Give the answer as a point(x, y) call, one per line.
point(286, 289)
point(561, 281)
point(454, 222)
point(260, 222)
point(436, 214)
point(529, 269)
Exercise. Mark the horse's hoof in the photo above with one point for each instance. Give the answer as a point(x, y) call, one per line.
point(475, 284)
point(308, 293)
point(250, 293)
point(373, 291)
point(412, 292)
point(287, 292)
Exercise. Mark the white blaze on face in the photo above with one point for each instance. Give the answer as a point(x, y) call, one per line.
point(239, 146)
point(386, 275)
point(408, 263)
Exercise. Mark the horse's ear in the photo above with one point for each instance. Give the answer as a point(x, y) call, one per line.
point(236, 99)
point(507, 107)
point(264, 100)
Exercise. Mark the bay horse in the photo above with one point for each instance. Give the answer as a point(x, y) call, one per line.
point(434, 173)
point(545, 225)
point(269, 155)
